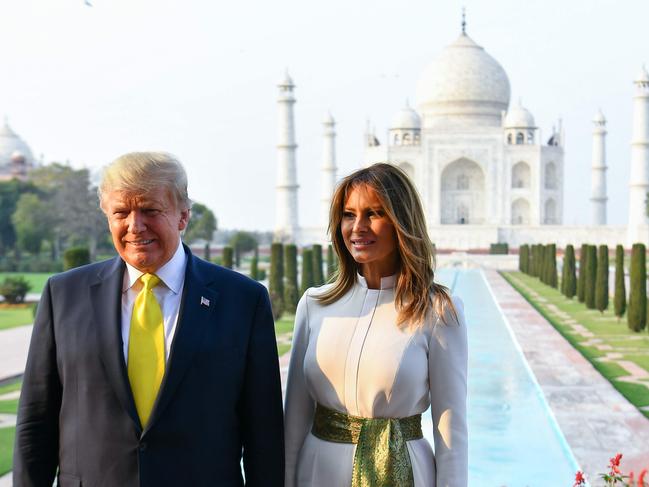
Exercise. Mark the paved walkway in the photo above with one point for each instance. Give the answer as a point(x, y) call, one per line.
point(14, 344)
point(596, 420)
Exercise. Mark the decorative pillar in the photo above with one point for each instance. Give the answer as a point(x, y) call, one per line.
point(637, 230)
point(328, 169)
point(598, 177)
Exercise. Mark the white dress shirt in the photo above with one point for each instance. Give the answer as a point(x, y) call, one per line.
point(168, 293)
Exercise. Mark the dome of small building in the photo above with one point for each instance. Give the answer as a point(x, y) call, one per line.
point(10, 144)
point(599, 117)
point(406, 119)
point(464, 80)
point(519, 117)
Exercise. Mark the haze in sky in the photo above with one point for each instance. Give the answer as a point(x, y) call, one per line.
point(198, 79)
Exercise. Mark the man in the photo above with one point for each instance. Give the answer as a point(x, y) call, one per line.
point(154, 368)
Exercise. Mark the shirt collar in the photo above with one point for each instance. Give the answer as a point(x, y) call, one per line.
point(387, 282)
point(172, 273)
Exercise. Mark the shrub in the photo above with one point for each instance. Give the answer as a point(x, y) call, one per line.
point(619, 303)
point(332, 264)
point(14, 289)
point(254, 268)
point(523, 258)
point(276, 279)
point(318, 277)
point(277, 305)
point(76, 257)
point(591, 276)
point(307, 270)
point(637, 313)
point(551, 265)
point(570, 286)
point(226, 257)
point(601, 285)
point(291, 295)
point(499, 248)
point(581, 282)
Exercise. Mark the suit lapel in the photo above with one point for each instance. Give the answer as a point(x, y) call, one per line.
point(106, 298)
point(196, 311)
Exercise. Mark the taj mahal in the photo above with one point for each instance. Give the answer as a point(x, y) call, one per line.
point(485, 172)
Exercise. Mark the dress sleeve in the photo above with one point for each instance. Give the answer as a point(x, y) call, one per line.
point(447, 376)
point(299, 407)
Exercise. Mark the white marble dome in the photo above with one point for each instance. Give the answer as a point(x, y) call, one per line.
point(11, 144)
point(519, 117)
point(464, 80)
point(406, 119)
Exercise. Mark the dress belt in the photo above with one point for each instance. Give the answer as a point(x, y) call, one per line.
point(381, 458)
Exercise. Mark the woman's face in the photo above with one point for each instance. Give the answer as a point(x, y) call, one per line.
point(368, 233)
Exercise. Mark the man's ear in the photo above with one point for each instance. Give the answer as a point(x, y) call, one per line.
point(184, 219)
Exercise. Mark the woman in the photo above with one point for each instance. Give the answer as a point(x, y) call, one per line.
point(383, 341)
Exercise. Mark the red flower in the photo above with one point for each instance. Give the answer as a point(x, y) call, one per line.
point(641, 478)
point(615, 464)
point(579, 479)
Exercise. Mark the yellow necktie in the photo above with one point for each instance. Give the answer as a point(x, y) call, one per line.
point(146, 349)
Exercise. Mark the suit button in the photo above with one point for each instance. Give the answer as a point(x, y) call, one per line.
point(142, 446)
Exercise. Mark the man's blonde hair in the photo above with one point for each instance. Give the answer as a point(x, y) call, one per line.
point(141, 172)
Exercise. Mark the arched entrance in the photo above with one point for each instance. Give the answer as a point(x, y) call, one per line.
point(463, 193)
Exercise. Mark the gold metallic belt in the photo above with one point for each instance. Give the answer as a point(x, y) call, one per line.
point(381, 458)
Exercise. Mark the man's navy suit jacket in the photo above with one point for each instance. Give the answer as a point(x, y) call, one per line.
point(220, 395)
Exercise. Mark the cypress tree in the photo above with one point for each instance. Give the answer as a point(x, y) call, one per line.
point(530, 260)
point(637, 313)
point(619, 303)
point(307, 270)
point(601, 287)
point(552, 265)
point(254, 265)
point(331, 262)
point(226, 259)
point(522, 257)
point(545, 270)
point(318, 277)
point(276, 279)
point(570, 288)
point(591, 275)
point(291, 295)
point(581, 282)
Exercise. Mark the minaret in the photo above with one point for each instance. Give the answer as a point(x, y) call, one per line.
point(637, 230)
point(328, 168)
point(598, 179)
point(286, 222)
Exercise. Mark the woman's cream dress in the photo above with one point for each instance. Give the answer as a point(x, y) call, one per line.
point(352, 357)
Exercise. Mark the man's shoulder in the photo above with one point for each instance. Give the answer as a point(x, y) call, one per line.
point(85, 272)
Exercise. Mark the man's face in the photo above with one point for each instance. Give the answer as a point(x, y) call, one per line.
point(145, 228)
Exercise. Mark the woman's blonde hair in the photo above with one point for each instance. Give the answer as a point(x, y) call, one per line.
point(416, 293)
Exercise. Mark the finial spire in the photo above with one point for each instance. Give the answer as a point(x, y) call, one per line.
point(464, 20)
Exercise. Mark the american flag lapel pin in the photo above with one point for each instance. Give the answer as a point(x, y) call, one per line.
point(205, 301)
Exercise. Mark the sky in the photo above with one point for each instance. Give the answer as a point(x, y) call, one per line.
point(199, 79)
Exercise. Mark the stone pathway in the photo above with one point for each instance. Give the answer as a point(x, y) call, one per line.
point(596, 420)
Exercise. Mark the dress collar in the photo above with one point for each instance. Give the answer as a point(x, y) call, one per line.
point(387, 282)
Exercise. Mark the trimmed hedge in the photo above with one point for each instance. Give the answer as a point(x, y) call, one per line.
point(291, 296)
point(569, 281)
point(75, 257)
point(619, 301)
point(318, 276)
point(499, 248)
point(637, 312)
point(601, 284)
point(581, 281)
point(226, 257)
point(307, 270)
point(591, 276)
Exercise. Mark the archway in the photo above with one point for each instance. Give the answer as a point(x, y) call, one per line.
point(521, 212)
point(521, 175)
point(463, 193)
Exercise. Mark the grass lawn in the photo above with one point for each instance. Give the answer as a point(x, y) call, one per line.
point(633, 347)
point(15, 315)
point(6, 449)
point(36, 279)
point(15, 386)
point(284, 332)
point(9, 406)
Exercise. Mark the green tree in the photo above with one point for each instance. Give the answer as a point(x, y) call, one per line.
point(254, 267)
point(637, 313)
point(619, 303)
point(581, 282)
point(307, 270)
point(523, 258)
point(242, 242)
point(591, 276)
point(226, 257)
point(10, 192)
point(276, 279)
point(318, 277)
point(601, 286)
point(14, 289)
point(332, 265)
point(201, 226)
point(570, 287)
point(551, 272)
point(33, 222)
point(291, 294)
